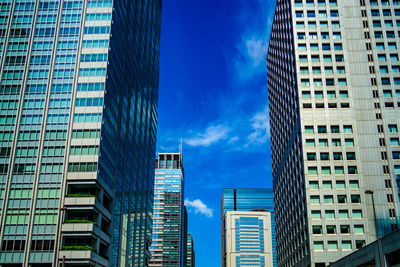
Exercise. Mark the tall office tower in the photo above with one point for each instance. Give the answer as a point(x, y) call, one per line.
point(78, 100)
point(247, 199)
point(190, 259)
point(333, 81)
point(248, 238)
point(169, 229)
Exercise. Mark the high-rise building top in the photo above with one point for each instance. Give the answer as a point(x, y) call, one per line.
point(169, 217)
point(78, 117)
point(248, 199)
point(247, 239)
point(334, 105)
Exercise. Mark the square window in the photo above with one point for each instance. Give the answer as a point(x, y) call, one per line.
point(346, 245)
point(340, 185)
point(318, 246)
point(317, 229)
point(311, 156)
point(336, 142)
point(330, 214)
point(322, 129)
point(327, 185)
point(345, 229)
point(353, 184)
point(328, 199)
point(359, 229)
point(349, 142)
point(357, 214)
point(331, 94)
point(342, 199)
point(312, 170)
point(392, 128)
point(310, 143)
point(352, 169)
point(314, 200)
point(332, 245)
point(350, 155)
point(313, 185)
point(324, 156)
point(339, 170)
point(355, 199)
point(331, 229)
point(316, 215)
point(335, 129)
point(306, 94)
point(319, 94)
point(326, 170)
point(328, 70)
point(343, 214)
point(309, 129)
point(347, 129)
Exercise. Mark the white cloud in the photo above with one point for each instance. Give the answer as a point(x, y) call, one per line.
point(211, 135)
point(260, 126)
point(199, 207)
point(256, 51)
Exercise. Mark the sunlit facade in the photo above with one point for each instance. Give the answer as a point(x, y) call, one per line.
point(78, 116)
point(334, 101)
point(247, 239)
point(247, 199)
point(169, 219)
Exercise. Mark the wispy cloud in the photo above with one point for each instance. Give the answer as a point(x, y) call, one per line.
point(199, 207)
point(260, 126)
point(211, 135)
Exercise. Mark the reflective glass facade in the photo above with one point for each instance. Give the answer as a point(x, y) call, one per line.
point(247, 199)
point(78, 116)
point(190, 259)
point(169, 219)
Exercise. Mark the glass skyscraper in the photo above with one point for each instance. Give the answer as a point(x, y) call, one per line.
point(247, 199)
point(170, 218)
point(334, 99)
point(78, 116)
point(190, 254)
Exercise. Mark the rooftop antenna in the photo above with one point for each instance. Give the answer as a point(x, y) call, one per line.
point(180, 147)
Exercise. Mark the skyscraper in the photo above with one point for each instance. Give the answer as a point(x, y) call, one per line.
point(78, 99)
point(169, 229)
point(248, 238)
point(333, 77)
point(247, 199)
point(190, 256)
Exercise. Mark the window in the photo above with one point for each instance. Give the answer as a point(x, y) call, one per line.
point(345, 229)
point(347, 129)
point(324, 156)
point(316, 215)
point(310, 143)
point(396, 154)
point(342, 199)
point(318, 245)
point(317, 229)
point(357, 214)
point(314, 199)
point(354, 184)
point(394, 142)
point(352, 169)
point(331, 229)
point(340, 185)
point(326, 170)
point(343, 94)
point(330, 214)
point(313, 185)
point(332, 245)
point(319, 94)
point(355, 199)
point(335, 129)
point(349, 142)
point(392, 128)
point(316, 70)
point(327, 185)
point(331, 94)
point(322, 129)
point(309, 129)
point(327, 58)
point(311, 156)
point(328, 199)
point(346, 245)
point(336, 142)
point(343, 214)
point(312, 170)
point(350, 155)
point(387, 93)
point(339, 170)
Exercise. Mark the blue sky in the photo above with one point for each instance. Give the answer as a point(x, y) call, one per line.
point(213, 95)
